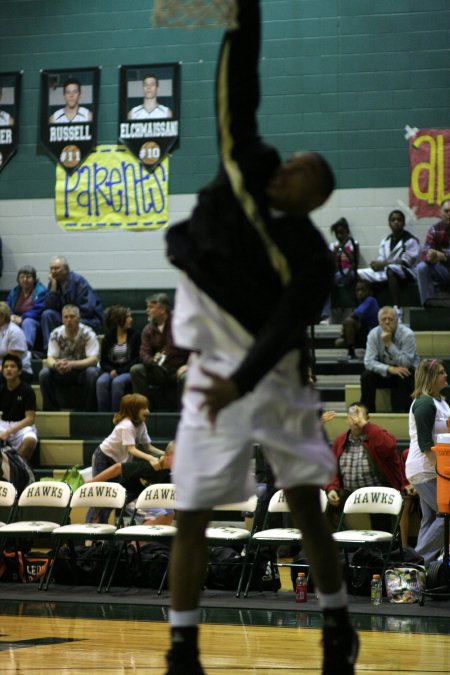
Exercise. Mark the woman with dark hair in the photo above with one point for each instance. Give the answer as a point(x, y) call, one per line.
point(428, 417)
point(120, 351)
point(26, 302)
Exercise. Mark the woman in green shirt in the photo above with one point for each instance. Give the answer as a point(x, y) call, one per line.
point(428, 417)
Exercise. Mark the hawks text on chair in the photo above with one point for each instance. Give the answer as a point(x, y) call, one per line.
point(372, 501)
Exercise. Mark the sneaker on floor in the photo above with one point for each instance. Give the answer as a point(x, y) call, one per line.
point(183, 666)
point(340, 342)
point(340, 650)
point(326, 321)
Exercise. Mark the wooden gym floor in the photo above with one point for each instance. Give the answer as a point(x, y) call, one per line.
point(44, 636)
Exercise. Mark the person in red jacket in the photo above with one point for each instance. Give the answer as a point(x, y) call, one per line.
point(366, 455)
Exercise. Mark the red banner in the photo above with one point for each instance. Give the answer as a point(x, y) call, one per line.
point(429, 159)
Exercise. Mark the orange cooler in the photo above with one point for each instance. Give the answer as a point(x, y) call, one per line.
point(442, 450)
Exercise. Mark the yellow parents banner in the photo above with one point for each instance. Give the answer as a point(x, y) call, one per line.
point(112, 190)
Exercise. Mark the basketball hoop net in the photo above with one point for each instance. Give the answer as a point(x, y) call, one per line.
point(194, 13)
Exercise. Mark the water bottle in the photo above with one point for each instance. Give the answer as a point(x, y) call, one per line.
point(413, 584)
point(376, 590)
point(301, 589)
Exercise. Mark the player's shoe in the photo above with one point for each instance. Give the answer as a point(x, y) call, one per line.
point(187, 665)
point(340, 650)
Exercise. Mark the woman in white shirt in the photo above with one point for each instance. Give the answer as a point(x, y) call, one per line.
point(428, 417)
point(130, 430)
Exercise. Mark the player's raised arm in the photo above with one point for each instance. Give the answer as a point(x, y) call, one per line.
point(237, 81)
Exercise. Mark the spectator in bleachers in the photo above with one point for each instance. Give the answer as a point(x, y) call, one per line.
point(72, 357)
point(139, 468)
point(137, 474)
point(367, 456)
point(13, 341)
point(358, 325)
point(130, 431)
point(119, 351)
point(26, 302)
point(68, 288)
point(18, 406)
point(435, 265)
point(428, 417)
point(390, 361)
point(397, 260)
point(159, 358)
point(345, 252)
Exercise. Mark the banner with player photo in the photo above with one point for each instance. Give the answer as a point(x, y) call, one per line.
point(149, 110)
point(10, 85)
point(69, 114)
point(429, 159)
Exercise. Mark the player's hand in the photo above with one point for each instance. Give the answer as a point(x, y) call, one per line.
point(328, 415)
point(220, 393)
point(432, 255)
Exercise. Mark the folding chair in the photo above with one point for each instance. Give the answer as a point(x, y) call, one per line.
point(277, 536)
point(8, 502)
point(220, 535)
point(157, 496)
point(97, 495)
point(46, 498)
point(371, 501)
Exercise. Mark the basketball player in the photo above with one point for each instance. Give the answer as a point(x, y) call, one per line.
point(72, 111)
point(150, 107)
point(255, 274)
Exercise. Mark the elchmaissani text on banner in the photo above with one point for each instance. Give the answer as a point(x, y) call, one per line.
point(112, 190)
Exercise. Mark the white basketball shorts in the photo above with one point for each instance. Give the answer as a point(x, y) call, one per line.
point(212, 464)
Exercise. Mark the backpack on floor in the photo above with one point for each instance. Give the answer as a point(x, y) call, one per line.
point(84, 565)
point(26, 567)
point(405, 584)
point(149, 565)
point(226, 576)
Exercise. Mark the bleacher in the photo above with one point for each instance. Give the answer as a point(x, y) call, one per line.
point(68, 438)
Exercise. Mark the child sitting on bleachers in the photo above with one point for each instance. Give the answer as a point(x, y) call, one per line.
point(357, 326)
point(345, 251)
